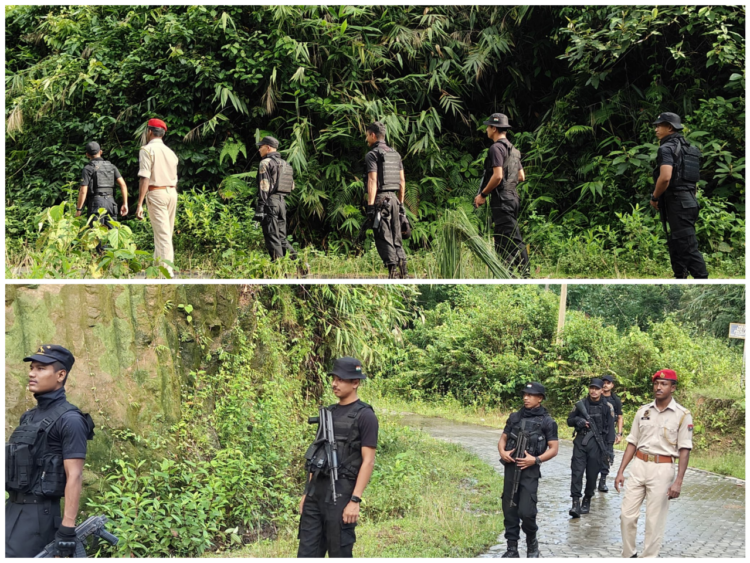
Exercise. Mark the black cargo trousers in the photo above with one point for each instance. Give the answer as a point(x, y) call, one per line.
point(523, 515)
point(31, 522)
point(587, 459)
point(321, 526)
point(508, 240)
point(388, 234)
point(274, 228)
point(681, 210)
point(105, 200)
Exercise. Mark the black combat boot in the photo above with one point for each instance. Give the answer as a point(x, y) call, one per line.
point(512, 550)
point(603, 484)
point(532, 547)
point(586, 505)
point(575, 510)
point(393, 272)
point(402, 269)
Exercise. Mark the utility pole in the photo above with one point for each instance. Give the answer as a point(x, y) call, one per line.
point(737, 330)
point(561, 312)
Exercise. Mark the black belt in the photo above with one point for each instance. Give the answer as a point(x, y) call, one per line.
point(104, 193)
point(25, 498)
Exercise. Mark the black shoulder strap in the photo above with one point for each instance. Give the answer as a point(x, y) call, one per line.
point(48, 421)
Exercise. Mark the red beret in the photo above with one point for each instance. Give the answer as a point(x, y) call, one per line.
point(157, 123)
point(665, 374)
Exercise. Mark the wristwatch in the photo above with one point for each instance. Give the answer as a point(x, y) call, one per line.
point(538, 461)
point(654, 198)
point(80, 208)
point(356, 499)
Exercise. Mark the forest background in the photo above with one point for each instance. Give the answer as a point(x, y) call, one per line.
point(201, 395)
point(581, 86)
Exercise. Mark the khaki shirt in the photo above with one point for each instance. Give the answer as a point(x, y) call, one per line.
point(662, 433)
point(158, 163)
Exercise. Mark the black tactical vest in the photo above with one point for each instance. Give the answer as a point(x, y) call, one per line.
point(597, 414)
point(29, 466)
point(104, 175)
point(389, 169)
point(348, 445)
point(537, 443)
point(281, 174)
point(686, 171)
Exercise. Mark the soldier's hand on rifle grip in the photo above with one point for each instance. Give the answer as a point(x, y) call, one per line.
point(527, 461)
point(351, 512)
point(507, 456)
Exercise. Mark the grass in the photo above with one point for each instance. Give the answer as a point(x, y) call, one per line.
point(426, 499)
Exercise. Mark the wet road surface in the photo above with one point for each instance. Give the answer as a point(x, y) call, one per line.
point(708, 520)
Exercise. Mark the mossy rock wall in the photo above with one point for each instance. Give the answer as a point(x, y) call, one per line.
point(133, 345)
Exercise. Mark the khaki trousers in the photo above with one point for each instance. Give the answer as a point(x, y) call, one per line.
point(162, 207)
point(651, 481)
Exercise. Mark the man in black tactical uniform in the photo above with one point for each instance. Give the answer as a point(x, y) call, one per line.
point(675, 178)
point(98, 187)
point(608, 383)
point(503, 171)
point(325, 526)
point(275, 182)
point(588, 455)
point(541, 428)
point(44, 461)
point(385, 179)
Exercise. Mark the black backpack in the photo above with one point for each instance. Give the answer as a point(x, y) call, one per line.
point(689, 167)
point(389, 170)
point(511, 166)
point(284, 178)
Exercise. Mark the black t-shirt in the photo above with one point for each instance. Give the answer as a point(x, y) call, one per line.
point(496, 156)
point(666, 156)
point(87, 176)
point(616, 403)
point(367, 421)
point(608, 431)
point(68, 435)
point(549, 426)
point(371, 158)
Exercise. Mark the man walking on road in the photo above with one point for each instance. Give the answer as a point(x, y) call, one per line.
point(158, 186)
point(609, 396)
point(662, 431)
point(540, 431)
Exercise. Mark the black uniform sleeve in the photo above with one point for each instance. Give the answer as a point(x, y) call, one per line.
point(86, 176)
point(550, 430)
point(74, 430)
point(371, 162)
point(117, 173)
point(368, 428)
point(666, 154)
point(618, 406)
point(610, 425)
point(496, 155)
point(509, 424)
point(574, 418)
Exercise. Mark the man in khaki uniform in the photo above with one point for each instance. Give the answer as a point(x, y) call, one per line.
point(662, 431)
point(158, 185)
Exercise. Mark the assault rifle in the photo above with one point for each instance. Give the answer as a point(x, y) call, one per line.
point(580, 407)
point(522, 442)
point(95, 526)
point(325, 435)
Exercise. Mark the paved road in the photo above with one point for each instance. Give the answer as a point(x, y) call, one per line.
point(708, 520)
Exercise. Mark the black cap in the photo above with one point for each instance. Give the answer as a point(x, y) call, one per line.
point(270, 141)
point(49, 353)
point(608, 378)
point(499, 120)
point(347, 368)
point(534, 388)
point(93, 148)
point(596, 382)
point(668, 117)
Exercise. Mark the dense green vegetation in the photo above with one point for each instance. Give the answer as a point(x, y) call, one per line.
point(581, 86)
point(229, 470)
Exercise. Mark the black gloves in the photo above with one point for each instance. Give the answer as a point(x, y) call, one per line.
point(581, 424)
point(66, 541)
point(370, 210)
